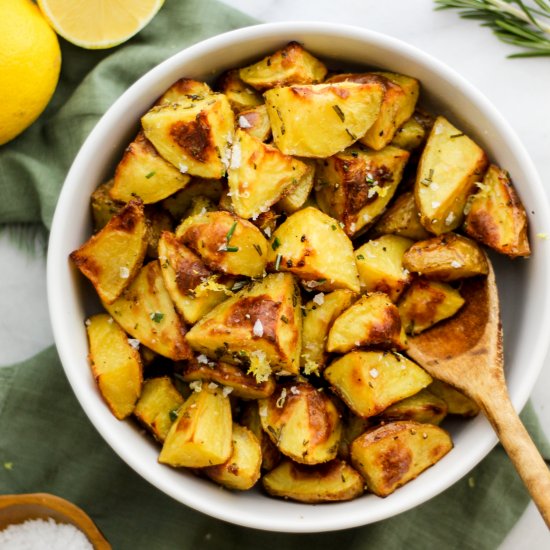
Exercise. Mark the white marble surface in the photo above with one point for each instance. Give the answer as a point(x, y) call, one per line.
point(519, 88)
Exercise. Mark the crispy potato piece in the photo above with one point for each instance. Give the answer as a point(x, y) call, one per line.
point(158, 220)
point(259, 327)
point(194, 136)
point(355, 186)
point(424, 407)
point(371, 321)
point(112, 257)
point(241, 470)
point(103, 206)
point(194, 289)
point(259, 175)
point(201, 434)
point(240, 95)
point(225, 243)
point(446, 258)
point(496, 216)
point(290, 65)
point(296, 198)
point(457, 402)
point(183, 90)
point(321, 120)
point(116, 364)
point(179, 203)
point(146, 312)
point(410, 135)
point(143, 173)
point(158, 405)
point(393, 454)
point(380, 265)
point(303, 422)
point(370, 381)
point(426, 303)
point(449, 167)
point(313, 246)
point(242, 385)
point(331, 482)
point(255, 121)
point(352, 427)
point(402, 218)
point(319, 314)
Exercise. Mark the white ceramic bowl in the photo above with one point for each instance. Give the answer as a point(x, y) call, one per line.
point(523, 284)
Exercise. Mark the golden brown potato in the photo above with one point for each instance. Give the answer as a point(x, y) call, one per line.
point(380, 265)
point(371, 321)
point(370, 381)
point(194, 136)
point(302, 421)
point(424, 407)
point(259, 175)
point(255, 121)
point(426, 303)
point(146, 312)
point(319, 314)
point(201, 434)
point(446, 258)
point(314, 247)
point(103, 206)
point(198, 188)
point(449, 167)
point(289, 65)
point(158, 220)
point(297, 197)
point(183, 90)
point(496, 216)
point(158, 406)
point(116, 364)
point(237, 382)
point(409, 136)
point(352, 427)
point(402, 218)
point(457, 402)
point(143, 173)
point(331, 482)
point(112, 258)
point(393, 454)
point(240, 95)
point(321, 120)
point(225, 243)
point(355, 186)
point(241, 470)
point(259, 328)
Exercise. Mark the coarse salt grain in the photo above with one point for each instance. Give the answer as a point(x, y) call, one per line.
point(456, 264)
point(267, 231)
point(436, 204)
point(243, 122)
point(450, 218)
point(236, 156)
point(196, 385)
point(212, 386)
point(319, 299)
point(123, 272)
point(134, 343)
point(374, 373)
point(226, 391)
point(202, 359)
point(258, 329)
point(183, 168)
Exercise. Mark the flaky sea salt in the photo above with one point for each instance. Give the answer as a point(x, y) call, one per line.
point(123, 272)
point(374, 373)
point(456, 264)
point(243, 122)
point(258, 329)
point(319, 299)
point(202, 359)
point(134, 343)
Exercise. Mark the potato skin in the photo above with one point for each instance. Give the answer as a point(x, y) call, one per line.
point(457, 402)
point(424, 407)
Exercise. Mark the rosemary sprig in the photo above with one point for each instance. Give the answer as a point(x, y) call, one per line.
point(514, 22)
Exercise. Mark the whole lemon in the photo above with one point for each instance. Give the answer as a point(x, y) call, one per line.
point(30, 60)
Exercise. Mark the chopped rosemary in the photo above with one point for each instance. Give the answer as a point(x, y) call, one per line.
point(157, 316)
point(230, 232)
point(276, 243)
point(258, 249)
point(456, 136)
point(339, 112)
point(150, 175)
point(231, 248)
point(428, 180)
point(360, 257)
point(351, 134)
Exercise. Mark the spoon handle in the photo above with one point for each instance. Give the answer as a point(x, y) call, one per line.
point(520, 448)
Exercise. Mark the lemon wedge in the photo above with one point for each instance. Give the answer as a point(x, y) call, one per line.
point(97, 24)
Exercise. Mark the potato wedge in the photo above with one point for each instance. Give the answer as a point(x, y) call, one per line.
point(297, 197)
point(424, 407)
point(241, 470)
point(352, 427)
point(409, 136)
point(380, 265)
point(259, 175)
point(197, 189)
point(446, 258)
point(289, 65)
point(302, 421)
point(314, 247)
point(258, 328)
point(225, 243)
point(201, 434)
point(183, 90)
point(393, 454)
point(321, 120)
point(158, 220)
point(103, 206)
point(111, 258)
point(355, 186)
point(158, 406)
point(449, 167)
point(496, 216)
point(116, 364)
point(426, 303)
point(240, 95)
point(371, 321)
point(255, 121)
point(370, 381)
point(457, 402)
point(146, 312)
point(331, 482)
point(194, 136)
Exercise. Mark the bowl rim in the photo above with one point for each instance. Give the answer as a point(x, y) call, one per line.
point(57, 262)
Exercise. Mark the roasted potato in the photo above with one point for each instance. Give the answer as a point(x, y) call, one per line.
point(457, 402)
point(255, 121)
point(297, 197)
point(158, 220)
point(393, 454)
point(180, 202)
point(103, 206)
point(116, 364)
point(370, 381)
point(424, 407)
point(183, 90)
point(352, 427)
point(239, 94)
point(409, 136)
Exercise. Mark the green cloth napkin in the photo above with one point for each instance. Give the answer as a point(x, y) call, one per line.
point(46, 442)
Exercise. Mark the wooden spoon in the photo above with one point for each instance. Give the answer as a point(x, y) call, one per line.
point(466, 352)
point(19, 508)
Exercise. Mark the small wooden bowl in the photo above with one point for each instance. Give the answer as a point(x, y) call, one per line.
point(19, 508)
